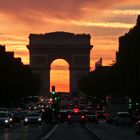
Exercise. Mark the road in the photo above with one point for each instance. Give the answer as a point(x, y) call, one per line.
point(21, 132)
point(106, 131)
point(71, 132)
point(90, 131)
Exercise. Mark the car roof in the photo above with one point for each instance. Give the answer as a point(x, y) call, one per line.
point(122, 113)
point(33, 113)
point(3, 112)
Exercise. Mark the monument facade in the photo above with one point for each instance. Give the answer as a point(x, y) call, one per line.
point(73, 48)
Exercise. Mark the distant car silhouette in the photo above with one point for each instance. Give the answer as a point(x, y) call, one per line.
point(122, 118)
point(137, 127)
point(5, 120)
point(92, 117)
point(76, 116)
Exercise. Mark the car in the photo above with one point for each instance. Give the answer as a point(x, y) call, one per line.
point(92, 117)
point(137, 127)
point(110, 119)
point(5, 120)
point(101, 114)
point(135, 115)
point(32, 118)
point(76, 117)
point(62, 116)
point(16, 116)
point(23, 114)
point(122, 118)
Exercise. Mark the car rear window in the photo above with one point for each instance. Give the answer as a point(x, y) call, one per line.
point(3, 115)
point(124, 115)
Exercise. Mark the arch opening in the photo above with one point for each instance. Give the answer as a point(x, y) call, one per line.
point(60, 75)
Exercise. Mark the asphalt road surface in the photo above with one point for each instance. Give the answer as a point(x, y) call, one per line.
point(70, 132)
point(64, 131)
point(21, 132)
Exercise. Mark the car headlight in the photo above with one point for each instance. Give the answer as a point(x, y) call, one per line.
point(26, 120)
point(39, 119)
point(11, 119)
point(6, 121)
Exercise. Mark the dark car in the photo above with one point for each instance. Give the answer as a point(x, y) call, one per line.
point(5, 120)
point(137, 127)
point(101, 114)
point(76, 117)
point(92, 117)
point(135, 115)
point(110, 118)
point(32, 118)
point(122, 118)
point(16, 116)
point(47, 115)
point(63, 114)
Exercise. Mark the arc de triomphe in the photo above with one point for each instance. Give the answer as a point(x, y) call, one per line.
point(45, 48)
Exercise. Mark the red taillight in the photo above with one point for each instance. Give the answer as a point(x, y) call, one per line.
point(107, 114)
point(83, 117)
point(76, 110)
point(69, 116)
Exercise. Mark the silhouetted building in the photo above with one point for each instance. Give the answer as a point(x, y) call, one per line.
point(98, 64)
point(16, 79)
point(2, 48)
point(128, 57)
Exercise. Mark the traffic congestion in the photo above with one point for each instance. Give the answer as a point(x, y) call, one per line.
point(42, 115)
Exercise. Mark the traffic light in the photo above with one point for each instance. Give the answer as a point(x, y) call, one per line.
point(55, 98)
point(53, 90)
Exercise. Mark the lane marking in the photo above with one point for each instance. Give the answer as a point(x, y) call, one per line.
point(96, 137)
point(50, 133)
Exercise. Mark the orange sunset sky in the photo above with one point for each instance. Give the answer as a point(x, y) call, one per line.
point(104, 20)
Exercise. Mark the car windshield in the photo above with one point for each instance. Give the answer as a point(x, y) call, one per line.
point(15, 113)
point(90, 113)
point(2, 115)
point(124, 115)
point(32, 115)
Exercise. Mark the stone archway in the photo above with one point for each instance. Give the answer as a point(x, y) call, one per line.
point(45, 48)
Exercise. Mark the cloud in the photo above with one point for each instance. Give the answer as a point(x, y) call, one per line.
point(103, 24)
point(20, 18)
point(37, 14)
point(38, 10)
